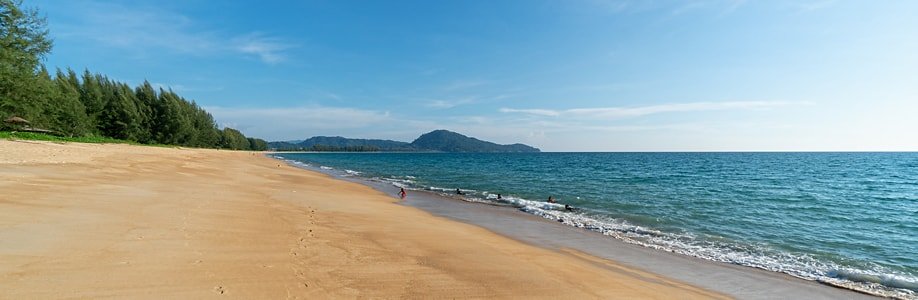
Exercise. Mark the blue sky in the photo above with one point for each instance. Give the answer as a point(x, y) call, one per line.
point(559, 75)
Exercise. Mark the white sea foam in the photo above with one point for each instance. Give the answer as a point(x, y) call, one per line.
point(440, 189)
point(805, 266)
point(326, 168)
point(402, 183)
point(758, 256)
point(293, 162)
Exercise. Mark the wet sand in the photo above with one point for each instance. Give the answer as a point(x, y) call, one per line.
point(120, 221)
point(733, 280)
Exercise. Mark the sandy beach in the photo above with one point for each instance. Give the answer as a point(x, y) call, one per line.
point(120, 221)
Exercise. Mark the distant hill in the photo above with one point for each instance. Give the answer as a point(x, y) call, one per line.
point(434, 141)
point(337, 143)
point(448, 141)
point(283, 145)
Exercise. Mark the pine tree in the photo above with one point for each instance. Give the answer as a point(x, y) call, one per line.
point(208, 134)
point(91, 97)
point(257, 144)
point(171, 125)
point(23, 43)
point(120, 118)
point(69, 114)
point(146, 97)
point(92, 104)
point(233, 139)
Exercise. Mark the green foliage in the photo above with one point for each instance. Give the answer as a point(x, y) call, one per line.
point(434, 141)
point(145, 97)
point(23, 43)
point(258, 144)
point(91, 97)
point(361, 148)
point(205, 128)
point(23, 35)
point(448, 141)
point(337, 143)
point(91, 107)
point(233, 139)
point(70, 117)
point(53, 138)
point(120, 118)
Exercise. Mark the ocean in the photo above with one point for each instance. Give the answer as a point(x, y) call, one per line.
point(848, 219)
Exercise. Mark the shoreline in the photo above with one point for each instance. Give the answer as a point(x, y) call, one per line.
point(116, 221)
point(734, 280)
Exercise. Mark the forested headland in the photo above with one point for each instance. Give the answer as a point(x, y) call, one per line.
point(434, 141)
point(87, 104)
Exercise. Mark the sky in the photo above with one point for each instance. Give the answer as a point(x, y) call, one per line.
point(718, 75)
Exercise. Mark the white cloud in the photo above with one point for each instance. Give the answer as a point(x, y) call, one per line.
point(444, 104)
point(184, 88)
point(533, 111)
point(144, 30)
point(625, 112)
point(464, 85)
point(268, 49)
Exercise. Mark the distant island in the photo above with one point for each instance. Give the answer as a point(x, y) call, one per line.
point(434, 141)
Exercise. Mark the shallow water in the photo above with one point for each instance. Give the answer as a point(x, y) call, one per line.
point(844, 218)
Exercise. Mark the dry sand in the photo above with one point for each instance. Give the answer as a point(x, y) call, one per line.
point(119, 221)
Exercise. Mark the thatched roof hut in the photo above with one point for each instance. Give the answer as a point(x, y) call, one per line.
point(16, 121)
point(20, 124)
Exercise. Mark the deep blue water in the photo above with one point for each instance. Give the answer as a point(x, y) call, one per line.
point(843, 218)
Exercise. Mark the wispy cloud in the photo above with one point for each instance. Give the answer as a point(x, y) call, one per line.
point(464, 85)
point(116, 25)
point(185, 88)
point(268, 49)
point(625, 112)
point(444, 104)
point(144, 30)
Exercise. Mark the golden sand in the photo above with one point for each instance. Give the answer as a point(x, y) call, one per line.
point(120, 221)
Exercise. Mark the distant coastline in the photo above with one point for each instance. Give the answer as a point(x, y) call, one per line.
point(434, 141)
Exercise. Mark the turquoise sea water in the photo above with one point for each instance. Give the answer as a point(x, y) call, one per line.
point(843, 218)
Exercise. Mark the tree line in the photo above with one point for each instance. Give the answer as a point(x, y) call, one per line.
point(88, 104)
point(327, 148)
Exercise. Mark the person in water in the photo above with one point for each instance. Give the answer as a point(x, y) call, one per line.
point(568, 207)
point(551, 199)
point(498, 197)
point(458, 192)
point(402, 193)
